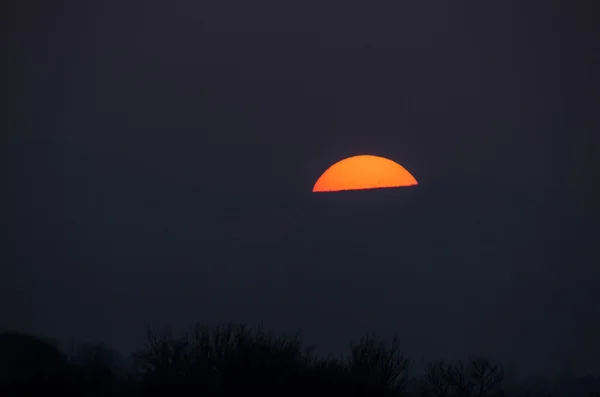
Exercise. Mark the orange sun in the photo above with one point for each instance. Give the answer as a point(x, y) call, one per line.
point(363, 172)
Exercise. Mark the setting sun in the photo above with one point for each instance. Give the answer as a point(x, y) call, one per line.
point(363, 172)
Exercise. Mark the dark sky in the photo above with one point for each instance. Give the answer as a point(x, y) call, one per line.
point(159, 158)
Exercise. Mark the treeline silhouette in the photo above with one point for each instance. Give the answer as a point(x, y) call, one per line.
point(232, 360)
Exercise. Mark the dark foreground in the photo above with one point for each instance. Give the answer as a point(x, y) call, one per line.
point(238, 360)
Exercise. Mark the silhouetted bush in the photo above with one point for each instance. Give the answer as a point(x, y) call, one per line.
point(94, 366)
point(26, 359)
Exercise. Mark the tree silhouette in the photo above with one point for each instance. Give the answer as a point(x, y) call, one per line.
point(223, 359)
point(235, 359)
point(95, 367)
point(26, 359)
point(379, 365)
point(232, 359)
point(437, 379)
point(478, 378)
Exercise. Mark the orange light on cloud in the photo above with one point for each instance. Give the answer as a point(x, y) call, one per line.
point(363, 172)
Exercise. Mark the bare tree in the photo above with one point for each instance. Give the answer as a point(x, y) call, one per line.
point(437, 380)
point(165, 358)
point(379, 364)
point(223, 359)
point(478, 378)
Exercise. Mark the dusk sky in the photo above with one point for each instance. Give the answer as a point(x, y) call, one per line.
point(159, 157)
